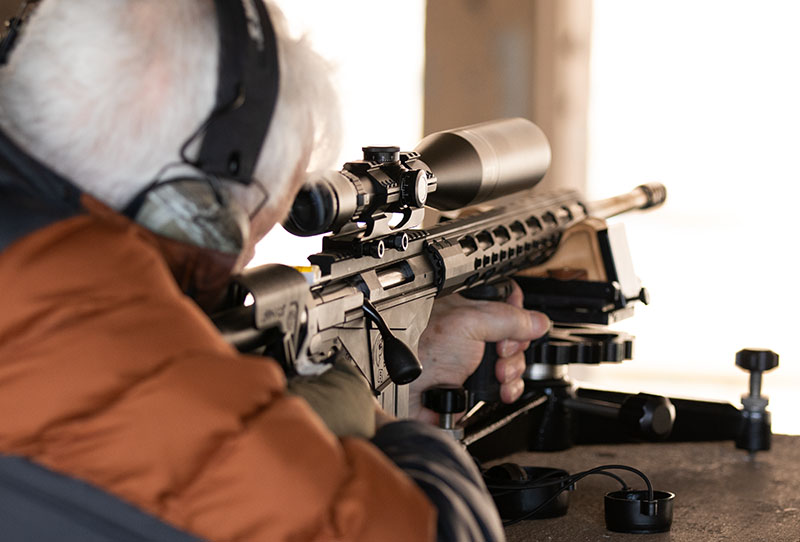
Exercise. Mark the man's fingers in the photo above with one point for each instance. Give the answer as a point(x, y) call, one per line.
point(494, 321)
point(511, 392)
point(509, 369)
point(508, 348)
point(516, 297)
point(509, 373)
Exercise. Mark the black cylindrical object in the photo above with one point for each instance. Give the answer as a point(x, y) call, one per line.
point(518, 491)
point(755, 431)
point(648, 416)
point(327, 202)
point(445, 399)
point(631, 511)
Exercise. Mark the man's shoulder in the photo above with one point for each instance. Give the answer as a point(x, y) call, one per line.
point(22, 214)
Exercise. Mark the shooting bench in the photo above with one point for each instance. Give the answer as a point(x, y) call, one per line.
point(721, 494)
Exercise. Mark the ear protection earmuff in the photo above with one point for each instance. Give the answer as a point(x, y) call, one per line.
point(230, 139)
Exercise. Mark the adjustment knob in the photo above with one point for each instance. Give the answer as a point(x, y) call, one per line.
point(447, 401)
point(414, 188)
point(756, 359)
point(381, 155)
point(650, 416)
point(755, 425)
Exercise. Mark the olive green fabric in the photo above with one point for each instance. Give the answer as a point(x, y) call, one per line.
point(341, 397)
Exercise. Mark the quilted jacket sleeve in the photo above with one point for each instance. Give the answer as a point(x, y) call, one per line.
point(448, 476)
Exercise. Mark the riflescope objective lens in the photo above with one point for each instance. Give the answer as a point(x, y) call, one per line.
point(484, 161)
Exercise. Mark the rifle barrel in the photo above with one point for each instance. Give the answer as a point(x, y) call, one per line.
point(644, 196)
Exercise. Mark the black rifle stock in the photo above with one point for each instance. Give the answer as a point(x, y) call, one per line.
point(370, 291)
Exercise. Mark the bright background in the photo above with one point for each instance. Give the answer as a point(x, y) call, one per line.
point(377, 51)
point(703, 96)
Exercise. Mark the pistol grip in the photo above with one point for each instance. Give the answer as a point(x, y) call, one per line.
point(483, 385)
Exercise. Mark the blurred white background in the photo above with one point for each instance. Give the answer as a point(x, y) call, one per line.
point(703, 96)
point(377, 52)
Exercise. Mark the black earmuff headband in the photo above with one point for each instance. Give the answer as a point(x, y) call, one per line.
point(247, 91)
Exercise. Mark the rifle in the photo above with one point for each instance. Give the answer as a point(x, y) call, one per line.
point(369, 292)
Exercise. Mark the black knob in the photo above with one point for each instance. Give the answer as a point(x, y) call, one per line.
point(401, 362)
point(381, 155)
point(445, 400)
point(757, 359)
point(650, 416)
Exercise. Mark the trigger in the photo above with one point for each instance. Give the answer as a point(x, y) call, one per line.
point(496, 291)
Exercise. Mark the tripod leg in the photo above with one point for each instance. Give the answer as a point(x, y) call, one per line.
point(694, 420)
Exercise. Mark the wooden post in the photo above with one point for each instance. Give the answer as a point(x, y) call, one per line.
point(489, 59)
point(8, 8)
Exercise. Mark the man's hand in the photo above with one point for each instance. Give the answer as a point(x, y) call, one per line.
point(452, 345)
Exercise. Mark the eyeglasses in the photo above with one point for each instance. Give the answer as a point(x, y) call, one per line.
point(262, 202)
point(184, 173)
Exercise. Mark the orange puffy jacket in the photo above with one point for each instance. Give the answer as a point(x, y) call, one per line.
point(109, 374)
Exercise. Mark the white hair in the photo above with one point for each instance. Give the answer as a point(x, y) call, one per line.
point(106, 93)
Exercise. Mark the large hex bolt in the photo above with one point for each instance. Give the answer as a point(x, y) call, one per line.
point(755, 426)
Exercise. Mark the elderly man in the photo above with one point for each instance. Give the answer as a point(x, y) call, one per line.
point(146, 147)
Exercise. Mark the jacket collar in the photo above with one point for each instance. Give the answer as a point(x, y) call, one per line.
point(22, 173)
point(33, 196)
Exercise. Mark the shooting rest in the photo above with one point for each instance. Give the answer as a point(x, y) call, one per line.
point(585, 285)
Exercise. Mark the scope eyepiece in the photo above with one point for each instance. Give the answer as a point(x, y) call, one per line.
point(311, 212)
point(327, 202)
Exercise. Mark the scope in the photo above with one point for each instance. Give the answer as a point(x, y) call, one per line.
point(447, 170)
